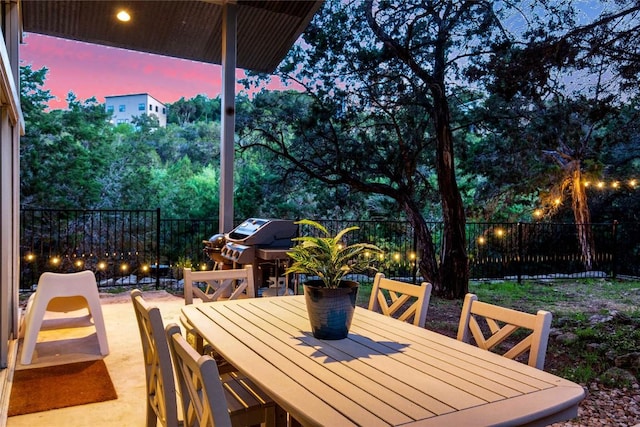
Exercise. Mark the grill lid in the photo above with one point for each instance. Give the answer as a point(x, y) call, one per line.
point(215, 242)
point(213, 247)
point(264, 232)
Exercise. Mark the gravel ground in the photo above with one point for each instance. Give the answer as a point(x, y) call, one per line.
point(608, 407)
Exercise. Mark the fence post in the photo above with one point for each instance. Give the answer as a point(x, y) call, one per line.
point(519, 261)
point(614, 252)
point(157, 248)
point(415, 251)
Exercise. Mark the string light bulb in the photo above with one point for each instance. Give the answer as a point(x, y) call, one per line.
point(615, 184)
point(601, 185)
point(123, 16)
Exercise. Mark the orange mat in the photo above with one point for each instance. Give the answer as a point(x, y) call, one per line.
point(61, 386)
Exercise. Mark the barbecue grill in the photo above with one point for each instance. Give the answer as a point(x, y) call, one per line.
point(263, 243)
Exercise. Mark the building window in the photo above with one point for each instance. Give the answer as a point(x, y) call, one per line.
point(109, 108)
point(156, 108)
point(122, 108)
point(164, 110)
point(150, 107)
point(141, 106)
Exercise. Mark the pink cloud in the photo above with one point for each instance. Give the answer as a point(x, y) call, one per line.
point(91, 70)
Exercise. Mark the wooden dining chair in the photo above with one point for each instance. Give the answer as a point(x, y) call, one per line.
point(203, 399)
point(160, 384)
point(491, 325)
point(405, 301)
point(220, 285)
point(247, 404)
point(209, 399)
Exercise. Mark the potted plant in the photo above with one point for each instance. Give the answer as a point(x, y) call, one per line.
point(330, 299)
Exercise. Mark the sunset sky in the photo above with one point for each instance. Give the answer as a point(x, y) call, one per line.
point(91, 70)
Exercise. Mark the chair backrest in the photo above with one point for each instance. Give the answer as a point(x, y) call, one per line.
point(405, 301)
point(221, 284)
point(203, 397)
point(161, 388)
point(67, 291)
point(490, 325)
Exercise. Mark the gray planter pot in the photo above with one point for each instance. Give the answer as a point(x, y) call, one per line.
point(330, 310)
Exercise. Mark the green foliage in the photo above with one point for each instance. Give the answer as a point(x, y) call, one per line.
point(513, 294)
point(582, 373)
point(328, 257)
point(590, 355)
point(382, 81)
point(198, 109)
point(33, 98)
point(365, 129)
point(580, 317)
point(64, 153)
point(178, 268)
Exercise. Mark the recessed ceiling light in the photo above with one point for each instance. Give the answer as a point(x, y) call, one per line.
point(123, 16)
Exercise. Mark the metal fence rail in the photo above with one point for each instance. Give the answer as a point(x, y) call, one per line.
point(498, 250)
point(130, 247)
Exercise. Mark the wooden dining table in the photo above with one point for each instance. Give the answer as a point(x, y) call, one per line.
point(385, 373)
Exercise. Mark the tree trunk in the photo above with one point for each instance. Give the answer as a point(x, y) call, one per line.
point(454, 267)
point(427, 264)
point(582, 217)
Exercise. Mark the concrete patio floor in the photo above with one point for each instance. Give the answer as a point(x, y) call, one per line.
point(124, 362)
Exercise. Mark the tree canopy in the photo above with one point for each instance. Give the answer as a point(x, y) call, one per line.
point(385, 82)
point(429, 111)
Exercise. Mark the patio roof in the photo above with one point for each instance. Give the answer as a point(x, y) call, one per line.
point(266, 30)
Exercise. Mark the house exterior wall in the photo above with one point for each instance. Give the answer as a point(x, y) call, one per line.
point(124, 108)
point(11, 127)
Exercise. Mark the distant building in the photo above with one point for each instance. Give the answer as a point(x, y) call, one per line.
point(123, 108)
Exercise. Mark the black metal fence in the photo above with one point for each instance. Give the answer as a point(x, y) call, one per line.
point(122, 247)
point(524, 250)
point(126, 247)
